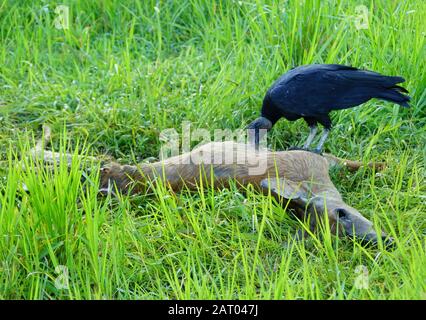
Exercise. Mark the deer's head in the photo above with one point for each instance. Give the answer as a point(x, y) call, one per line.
point(343, 219)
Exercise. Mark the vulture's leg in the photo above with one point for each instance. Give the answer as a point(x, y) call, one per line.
point(325, 120)
point(311, 136)
point(322, 140)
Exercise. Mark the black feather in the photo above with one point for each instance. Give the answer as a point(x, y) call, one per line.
point(312, 91)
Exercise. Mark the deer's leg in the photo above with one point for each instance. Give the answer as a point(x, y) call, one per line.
point(52, 157)
point(352, 165)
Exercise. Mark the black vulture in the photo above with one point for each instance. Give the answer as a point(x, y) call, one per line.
point(312, 91)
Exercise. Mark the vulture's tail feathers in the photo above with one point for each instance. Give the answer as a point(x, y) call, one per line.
point(395, 94)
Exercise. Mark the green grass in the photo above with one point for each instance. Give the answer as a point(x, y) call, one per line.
point(126, 70)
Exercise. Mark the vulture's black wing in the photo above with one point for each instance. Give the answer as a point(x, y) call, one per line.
point(318, 89)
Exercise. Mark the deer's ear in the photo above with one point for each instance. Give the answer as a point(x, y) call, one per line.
point(287, 189)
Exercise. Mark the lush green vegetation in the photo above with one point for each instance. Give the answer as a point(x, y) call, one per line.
point(124, 71)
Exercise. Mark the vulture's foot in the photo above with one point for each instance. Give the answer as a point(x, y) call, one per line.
point(296, 148)
point(316, 151)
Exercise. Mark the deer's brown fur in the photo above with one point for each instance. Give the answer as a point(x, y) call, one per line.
point(296, 166)
point(301, 177)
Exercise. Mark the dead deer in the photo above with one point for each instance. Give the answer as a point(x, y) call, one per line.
point(296, 178)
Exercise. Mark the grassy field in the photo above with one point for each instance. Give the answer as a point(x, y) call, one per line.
point(125, 70)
